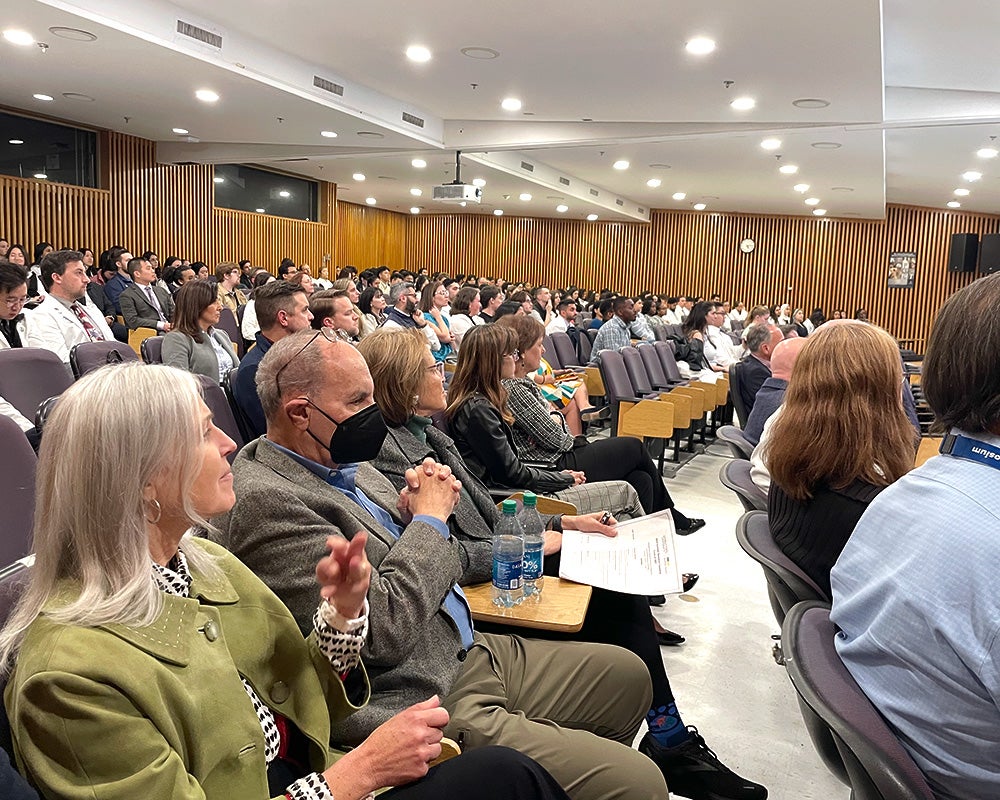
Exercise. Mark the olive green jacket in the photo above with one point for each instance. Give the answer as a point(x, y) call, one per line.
point(114, 712)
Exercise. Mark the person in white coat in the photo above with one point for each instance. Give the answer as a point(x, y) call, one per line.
point(13, 327)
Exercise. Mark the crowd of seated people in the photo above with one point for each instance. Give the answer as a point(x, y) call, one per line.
point(327, 467)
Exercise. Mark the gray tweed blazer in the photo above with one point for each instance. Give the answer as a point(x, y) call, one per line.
point(278, 528)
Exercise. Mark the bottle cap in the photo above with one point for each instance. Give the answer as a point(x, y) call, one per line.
point(530, 500)
point(510, 507)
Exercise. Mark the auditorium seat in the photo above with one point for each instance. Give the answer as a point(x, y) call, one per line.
point(565, 351)
point(850, 735)
point(138, 336)
point(735, 475)
point(222, 412)
point(151, 349)
point(88, 356)
point(17, 492)
point(229, 324)
point(737, 442)
point(30, 375)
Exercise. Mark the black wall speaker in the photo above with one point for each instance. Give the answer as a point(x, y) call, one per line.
point(963, 253)
point(989, 253)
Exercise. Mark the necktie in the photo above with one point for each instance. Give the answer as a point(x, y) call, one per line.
point(92, 332)
point(154, 302)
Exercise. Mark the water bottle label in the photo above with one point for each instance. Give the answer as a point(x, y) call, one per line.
point(532, 564)
point(507, 575)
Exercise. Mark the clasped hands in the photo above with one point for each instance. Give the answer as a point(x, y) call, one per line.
point(431, 489)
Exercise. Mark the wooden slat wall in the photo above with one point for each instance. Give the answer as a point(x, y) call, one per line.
point(368, 237)
point(808, 262)
point(159, 207)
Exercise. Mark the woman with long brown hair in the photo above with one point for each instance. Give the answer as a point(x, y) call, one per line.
point(839, 438)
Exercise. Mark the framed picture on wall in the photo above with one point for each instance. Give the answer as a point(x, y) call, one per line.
point(902, 267)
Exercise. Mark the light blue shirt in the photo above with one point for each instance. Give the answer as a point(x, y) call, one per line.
point(916, 593)
point(343, 480)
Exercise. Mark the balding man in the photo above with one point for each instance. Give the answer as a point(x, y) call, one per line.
point(309, 479)
point(756, 368)
point(772, 392)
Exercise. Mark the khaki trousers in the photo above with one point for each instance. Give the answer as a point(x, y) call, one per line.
point(574, 707)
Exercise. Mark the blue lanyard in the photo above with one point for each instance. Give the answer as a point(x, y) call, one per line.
point(971, 450)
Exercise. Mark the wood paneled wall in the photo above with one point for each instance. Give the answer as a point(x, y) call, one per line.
point(369, 237)
point(160, 207)
point(808, 262)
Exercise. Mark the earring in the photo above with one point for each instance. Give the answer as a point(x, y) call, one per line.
point(159, 513)
point(416, 399)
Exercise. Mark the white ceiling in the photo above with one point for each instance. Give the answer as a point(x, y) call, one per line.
point(599, 83)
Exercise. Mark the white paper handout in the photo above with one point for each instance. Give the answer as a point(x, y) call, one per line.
point(641, 559)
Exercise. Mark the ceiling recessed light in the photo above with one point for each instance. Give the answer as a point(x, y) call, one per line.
point(44, 97)
point(418, 53)
point(207, 96)
point(358, 176)
point(812, 201)
point(328, 134)
point(414, 210)
point(524, 196)
point(371, 135)
point(41, 176)
point(743, 103)
point(810, 102)
point(482, 53)
point(79, 97)
point(826, 145)
point(498, 212)
point(463, 204)
point(418, 163)
point(819, 212)
point(219, 179)
point(73, 34)
point(180, 131)
point(260, 210)
point(480, 182)
point(510, 104)
point(284, 193)
point(961, 193)
point(801, 187)
point(971, 176)
point(771, 144)
point(788, 169)
point(954, 204)
point(620, 164)
point(699, 206)
point(562, 208)
point(591, 217)
point(15, 141)
point(18, 37)
point(416, 192)
point(679, 195)
point(370, 200)
point(654, 183)
point(987, 152)
point(700, 46)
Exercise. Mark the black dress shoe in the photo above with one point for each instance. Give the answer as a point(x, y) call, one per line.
point(656, 599)
point(696, 525)
point(690, 579)
point(669, 638)
point(692, 770)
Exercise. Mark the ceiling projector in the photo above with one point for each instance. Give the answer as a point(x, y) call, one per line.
point(458, 193)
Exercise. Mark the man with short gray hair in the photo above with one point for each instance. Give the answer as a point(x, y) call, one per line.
point(756, 367)
point(405, 314)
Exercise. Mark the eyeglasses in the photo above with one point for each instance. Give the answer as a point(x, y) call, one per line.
point(327, 333)
point(14, 302)
point(516, 355)
point(438, 367)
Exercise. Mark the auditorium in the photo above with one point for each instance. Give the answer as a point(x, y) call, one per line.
point(299, 304)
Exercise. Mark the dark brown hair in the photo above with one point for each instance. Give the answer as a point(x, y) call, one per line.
point(480, 365)
point(191, 299)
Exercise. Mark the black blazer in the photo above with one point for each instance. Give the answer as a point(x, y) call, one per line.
point(96, 295)
point(486, 444)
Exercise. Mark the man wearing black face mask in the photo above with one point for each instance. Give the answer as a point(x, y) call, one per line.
point(308, 480)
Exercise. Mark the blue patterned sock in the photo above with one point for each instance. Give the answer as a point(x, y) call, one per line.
point(666, 726)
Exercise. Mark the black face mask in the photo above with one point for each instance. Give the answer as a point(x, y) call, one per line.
point(358, 438)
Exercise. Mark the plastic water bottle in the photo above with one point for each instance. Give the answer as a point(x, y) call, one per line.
point(508, 558)
point(534, 547)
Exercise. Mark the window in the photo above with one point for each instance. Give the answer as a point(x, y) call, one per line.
point(32, 148)
point(248, 189)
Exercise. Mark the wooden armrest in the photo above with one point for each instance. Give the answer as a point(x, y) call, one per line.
point(652, 419)
point(449, 749)
point(594, 382)
point(682, 407)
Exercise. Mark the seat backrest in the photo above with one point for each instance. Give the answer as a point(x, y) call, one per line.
point(12, 585)
point(88, 356)
point(786, 581)
point(674, 331)
point(17, 491)
point(228, 323)
point(651, 361)
point(550, 353)
point(592, 334)
point(152, 350)
point(564, 348)
point(216, 400)
point(738, 443)
point(736, 392)
point(29, 375)
point(586, 348)
point(615, 377)
point(665, 350)
point(877, 765)
point(735, 475)
point(137, 336)
point(660, 333)
point(636, 372)
point(240, 311)
point(242, 423)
